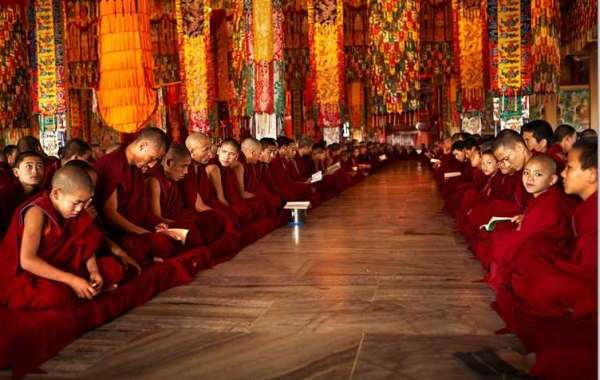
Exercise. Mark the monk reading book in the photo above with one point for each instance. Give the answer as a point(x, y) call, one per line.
point(121, 198)
point(546, 218)
point(48, 259)
point(252, 150)
point(166, 200)
point(26, 181)
point(74, 149)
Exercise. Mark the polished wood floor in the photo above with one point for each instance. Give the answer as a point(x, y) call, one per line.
point(375, 286)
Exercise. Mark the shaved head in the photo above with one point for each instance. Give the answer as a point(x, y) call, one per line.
point(231, 143)
point(196, 138)
point(154, 136)
point(77, 149)
point(71, 179)
point(251, 143)
point(29, 143)
point(199, 146)
point(507, 139)
point(177, 152)
point(548, 164)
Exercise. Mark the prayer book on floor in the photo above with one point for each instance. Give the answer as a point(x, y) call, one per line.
point(492, 223)
point(452, 175)
point(318, 176)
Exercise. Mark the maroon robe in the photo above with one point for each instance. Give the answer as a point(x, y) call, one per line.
point(11, 196)
point(115, 174)
point(205, 227)
point(66, 244)
point(294, 190)
point(547, 217)
point(253, 185)
point(51, 165)
point(6, 173)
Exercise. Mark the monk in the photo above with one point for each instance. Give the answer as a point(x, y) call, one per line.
point(10, 153)
point(31, 144)
point(97, 151)
point(294, 188)
point(264, 174)
point(537, 135)
point(551, 302)
point(591, 133)
point(226, 175)
point(27, 177)
point(121, 197)
point(5, 169)
point(74, 149)
point(476, 183)
point(48, 259)
point(252, 150)
point(166, 200)
point(546, 218)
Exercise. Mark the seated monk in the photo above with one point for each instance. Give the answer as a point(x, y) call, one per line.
point(7, 161)
point(10, 153)
point(48, 259)
point(28, 172)
point(551, 302)
point(341, 178)
point(74, 149)
point(110, 247)
point(328, 187)
point(546, 218)
point(303, 158)
point(476, 183)
point(166, 200)
point(539, 138)
point(588, 133)
point(121, 197)
point(264, 175)
point(226, 175)
point(31, 144)
point(511, 197)
point(462, 166)
point(252, 150)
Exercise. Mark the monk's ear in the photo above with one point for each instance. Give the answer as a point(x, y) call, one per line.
point(544, 143)
point(55, 193)
point(553, 179)
point(16, 172)
point(592, 175)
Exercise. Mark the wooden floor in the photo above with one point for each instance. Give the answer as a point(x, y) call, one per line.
point(375, 286)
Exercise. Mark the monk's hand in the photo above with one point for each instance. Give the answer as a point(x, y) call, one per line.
point(126, 260)
point(82, 288)
point(97, 281)
point(517, 219)
point(161, 227)
point(248, 195)
point(89, 207)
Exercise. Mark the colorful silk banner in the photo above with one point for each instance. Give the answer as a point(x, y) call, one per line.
point(82, 43)
point(468, 17)
point(14, 81)
point(578, 25)
point(193, 27)
point(545, 49)
point(509, 33)
point(127, 97)
point(326, 42)
point(394, 53)
point(163, 27)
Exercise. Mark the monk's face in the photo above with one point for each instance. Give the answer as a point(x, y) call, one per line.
point(533, 144)
point(355, 152)
point(577, 180)
point(475, 159)
point(176, 169)
point(511, 159)
point(69, 204)
point(459, 154)
point(253, 155)
point(489, 165)
point(537, 178)
point(30, 171)
point(201, 152)
point(304, 150)
point(283, 151)
point(227, 155)
point(11, 157)
point(567, 142)
point(147, 155)
point(291, 151)
point(268, 154)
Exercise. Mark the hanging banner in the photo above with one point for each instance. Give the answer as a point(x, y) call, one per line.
point(394, 51)
point(326, 42)
point(509, 23)
point(545, 48)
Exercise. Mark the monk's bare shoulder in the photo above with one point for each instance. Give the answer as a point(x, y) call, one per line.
point(212, 169)
point(34, 217)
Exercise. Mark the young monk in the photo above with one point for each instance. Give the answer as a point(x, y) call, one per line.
point(31, 144)
point(74, 149)
point(27, 177)
point(48, 259)
point(293, 188)
point(476, 183)
point(252, 150)
point(546, 218)
point(226, 175)
point(121, 198)
point(11, 152)
point(552, 300)
point(537, 135)
point(462, 166)
point(564, 138)
point(166, 200)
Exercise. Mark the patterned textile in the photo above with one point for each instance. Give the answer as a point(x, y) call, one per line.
point(578, 25)
point(545, 49)
point(82, 43)
point(163, 27)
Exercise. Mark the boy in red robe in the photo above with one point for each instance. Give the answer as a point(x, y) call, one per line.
point(166, 200)
point(74, 149)
point(551, 302)
point(252, 150)
point(26, 182)
point(7, 161)
point(31, 144)
point(547, 217)
point(121, 198)
point(48, 260)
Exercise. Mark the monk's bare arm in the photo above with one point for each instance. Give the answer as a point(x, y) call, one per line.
point(200, 205)
point(114, 217)
point(215, 176)
point(153, 188)
point(239, 175)
point(30, 261)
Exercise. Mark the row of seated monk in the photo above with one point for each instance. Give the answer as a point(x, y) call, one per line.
point(75, 227)
point(540, 259)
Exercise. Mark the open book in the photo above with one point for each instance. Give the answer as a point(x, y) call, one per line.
point(452, 174)
point(179, 234)
point(333, 168)
point(383, 157)
point(318, 176)
point(297, 205)
point(492, 223)
point(434, 160)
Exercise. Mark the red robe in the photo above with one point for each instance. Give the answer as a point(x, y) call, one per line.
point(546, 218)
point(115, 174)
point(66, 244)
point(205, 227)
point(51, 165)
point(253, 185)
point(11, 196)
point(293, 189)
point(6, 173)
point(551, 303)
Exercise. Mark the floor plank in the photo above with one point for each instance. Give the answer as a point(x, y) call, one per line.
point(376, 285)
